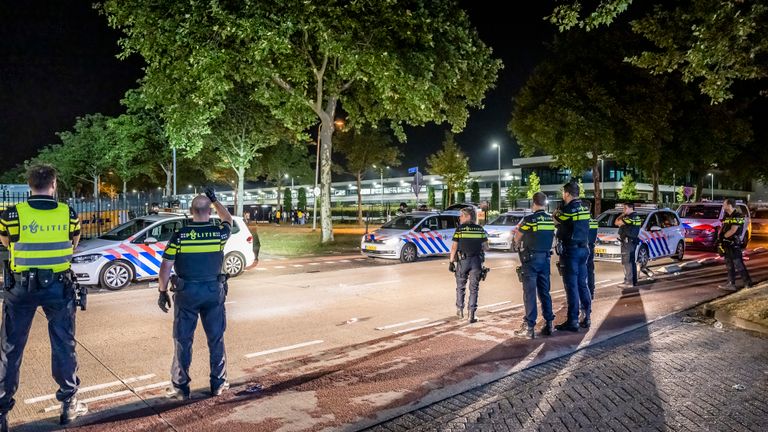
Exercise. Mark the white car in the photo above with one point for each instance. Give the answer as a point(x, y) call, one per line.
point(760, 222)
point(133, 251)
point(411, 236)
point(662, 235)
point(501, 231)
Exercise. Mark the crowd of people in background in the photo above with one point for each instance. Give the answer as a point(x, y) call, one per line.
point(292, 217)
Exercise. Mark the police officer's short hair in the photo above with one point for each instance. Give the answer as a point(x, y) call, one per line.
point(468, 211)
point(540, 198)
point(730, 201)
point(572, 188)
point(41, 176)
point(200, 204)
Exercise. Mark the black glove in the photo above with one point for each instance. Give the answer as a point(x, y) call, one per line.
point(452, 267)
point(211, 194)
point(164, 301)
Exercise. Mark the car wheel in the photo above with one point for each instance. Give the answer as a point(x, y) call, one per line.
point(116, 275)
point(408, 253)
point(642, 256)
point(234, 264)
point(679, 252)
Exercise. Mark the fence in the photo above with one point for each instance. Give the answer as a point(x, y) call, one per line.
point(96, 217)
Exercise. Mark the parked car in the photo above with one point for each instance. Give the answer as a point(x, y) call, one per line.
point(412, 236)
point(501, 231)
point(760, 222)
point(702, 223)
point(661, 236)
point(133, 251)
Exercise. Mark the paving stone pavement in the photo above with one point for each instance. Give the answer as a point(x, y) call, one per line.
point(668, 376)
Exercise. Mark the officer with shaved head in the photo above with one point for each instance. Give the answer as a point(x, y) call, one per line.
point(196, 253)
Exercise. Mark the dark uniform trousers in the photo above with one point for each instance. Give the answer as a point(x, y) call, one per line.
point(536, 282)
point(734, 262)
point(207, 300)
point(19, 307)
point(574, 259)
point(628, 260)
point(468, 269)
point(591, 271)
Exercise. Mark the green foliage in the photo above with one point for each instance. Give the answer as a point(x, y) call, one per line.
point(534, 185)
point(302, 198)
point(461, 197)
point(495, 196)
point(366, 147)
point(431, 197)
point(628, 188)
point(284, 159)
point(451, 164)
point(513, 194)
point(712, 42)
point(14, 175)
point(475, 192)
point(287, 200)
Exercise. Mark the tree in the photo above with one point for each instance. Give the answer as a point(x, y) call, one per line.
point(287, 200)
point(534, 185)
point(84, 152)
point(628, 188)
point(513, 194)
point(14, 175)
point(712, 42)
point(495, 197)
point(452, 165)
point(680, 195)
point(412, 63)
point(475, 192)
point(461, 197)
point(444, 198)
point(283, 161)
point(364, 148)
point(431, 197)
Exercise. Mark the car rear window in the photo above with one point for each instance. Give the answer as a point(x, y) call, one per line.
point(506, 220)
point(127, 229)
point(608, 220)
point(403, 222)
point(699, 211)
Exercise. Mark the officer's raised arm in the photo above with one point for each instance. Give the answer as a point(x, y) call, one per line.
point(222, 211)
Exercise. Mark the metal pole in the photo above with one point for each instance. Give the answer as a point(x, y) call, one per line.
point(712, 186)
point(602, 178)
point(317, 172)
point(381, 171)
point(174, 173)
point(499, 184)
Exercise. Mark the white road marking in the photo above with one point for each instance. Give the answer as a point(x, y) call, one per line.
point(314, 264)
point(386, 327)
point(93, 388)
point(495, 304)
point(360, 259)
point(330, 262)
point(288, 348)
point(507, 308)
point(433, 324)
point(501, 267)
point(298, 265)
point(260, 269)
point(229, 302)
point(279, 267)
point(604, 281)
point(114, 395)
point(612, 284)
point(345, 261)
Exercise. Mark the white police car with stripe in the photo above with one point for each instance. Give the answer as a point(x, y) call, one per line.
point(411, 236)
point(662, 235)
point(134, 251)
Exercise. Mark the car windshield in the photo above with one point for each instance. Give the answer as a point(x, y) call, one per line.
point(699, 211)
point(506, 220)
point(403, 222)
point(127, 229)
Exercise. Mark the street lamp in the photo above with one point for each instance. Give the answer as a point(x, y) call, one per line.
point(711, 186)
point(381, 172)
point(498, 148)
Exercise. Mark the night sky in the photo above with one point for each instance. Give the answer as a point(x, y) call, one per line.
point(58, 63)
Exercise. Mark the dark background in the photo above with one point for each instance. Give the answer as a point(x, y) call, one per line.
point(57, 62)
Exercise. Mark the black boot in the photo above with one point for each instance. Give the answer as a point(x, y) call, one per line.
point(585, 323)
point(472, 316)
point(547, 329)
point(4, 422)
point(566, 326)
point(71, 410)
point(525, 331)
point(460, 313)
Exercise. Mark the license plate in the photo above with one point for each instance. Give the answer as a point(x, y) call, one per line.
point(689, 240)
point(370, 248)
point(600, 250)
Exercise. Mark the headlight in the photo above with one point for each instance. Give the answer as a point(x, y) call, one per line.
point(85, 259)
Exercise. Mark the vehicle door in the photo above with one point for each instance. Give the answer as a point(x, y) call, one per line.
point(673, 230)
point(653, 236)
point(148, 247)
point(447, 226)
point(426, 237)
point(746, 233)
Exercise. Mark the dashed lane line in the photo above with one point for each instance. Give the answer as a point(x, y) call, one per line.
point(495, 304)
point(92, 388)
point(432, 324)
point(114, 395)
point(282, 349)
point(387, 327)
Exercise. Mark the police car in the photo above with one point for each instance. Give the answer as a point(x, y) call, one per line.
point(412, 236)
point(702, 223)
point(133, 251)
point(662, 235)
point(501, 231)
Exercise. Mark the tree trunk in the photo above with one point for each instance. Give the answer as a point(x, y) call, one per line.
point(326, 151)
point(95, 188)
point(240, 192)
point(360, 199)
point(596, 180)
point(699, 189)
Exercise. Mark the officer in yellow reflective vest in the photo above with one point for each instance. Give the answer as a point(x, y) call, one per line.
point(730, 240)
point(629, 224)
point(196, 254)
point(41, 235)
point(470, 242)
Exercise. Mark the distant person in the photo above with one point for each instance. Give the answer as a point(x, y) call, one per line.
point(277, 217)
point(591, 258)
point(154, 208)
point(403, 209)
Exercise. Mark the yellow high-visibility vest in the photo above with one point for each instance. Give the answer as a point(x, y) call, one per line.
point(44, 241)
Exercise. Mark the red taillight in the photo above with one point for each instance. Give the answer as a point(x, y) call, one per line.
point(250, 239)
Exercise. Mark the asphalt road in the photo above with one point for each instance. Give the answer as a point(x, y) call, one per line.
point(284, 309)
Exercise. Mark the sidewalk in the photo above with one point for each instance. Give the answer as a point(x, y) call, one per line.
point(668, 376)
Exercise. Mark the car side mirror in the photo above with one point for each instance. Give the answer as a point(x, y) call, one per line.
point(425, 229)
point(655, 228)
point(150, 240)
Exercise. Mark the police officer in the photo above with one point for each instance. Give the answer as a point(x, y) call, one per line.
point(536, 231)
point(730, 241)
point(470, 241)
point(41, 235)
point(591, 259)
point(196, 254)
point(629, 223)
point(573, 237)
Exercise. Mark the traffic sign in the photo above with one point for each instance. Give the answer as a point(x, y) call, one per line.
point(413, 170)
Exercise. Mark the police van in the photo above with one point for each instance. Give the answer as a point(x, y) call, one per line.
point(662, 235)
point(501, 231)
point(412, 236)
point(133, 251)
